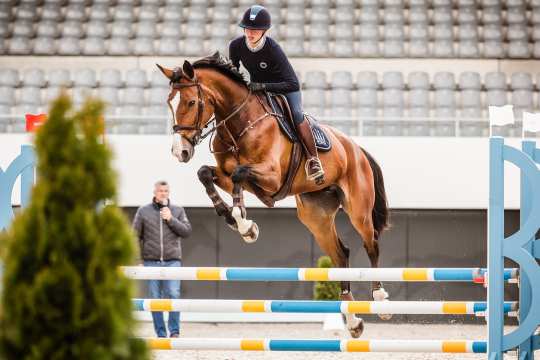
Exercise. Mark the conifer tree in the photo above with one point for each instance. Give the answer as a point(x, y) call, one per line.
point(63, 296)
point(326, 290)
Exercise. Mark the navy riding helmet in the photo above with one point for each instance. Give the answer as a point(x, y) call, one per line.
point(256, 18)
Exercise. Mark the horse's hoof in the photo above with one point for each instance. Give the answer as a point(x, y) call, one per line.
point(381, 295)
point(252, 234)
point(357, 328)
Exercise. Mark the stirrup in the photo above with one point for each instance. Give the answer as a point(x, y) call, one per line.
point(317, 176)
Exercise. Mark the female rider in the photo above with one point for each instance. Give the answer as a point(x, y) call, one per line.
point(270, 70)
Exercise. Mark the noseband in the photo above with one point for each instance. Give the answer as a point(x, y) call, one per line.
point(176, 85)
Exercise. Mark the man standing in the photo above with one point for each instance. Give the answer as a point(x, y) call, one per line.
point(160, 227)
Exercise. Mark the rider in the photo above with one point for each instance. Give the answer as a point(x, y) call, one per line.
point(270, 70)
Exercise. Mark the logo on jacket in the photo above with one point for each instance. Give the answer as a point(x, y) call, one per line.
point(263, 65)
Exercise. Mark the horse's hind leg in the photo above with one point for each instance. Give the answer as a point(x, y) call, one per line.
point(360, 216)
point(248, 229)
point(317, 212)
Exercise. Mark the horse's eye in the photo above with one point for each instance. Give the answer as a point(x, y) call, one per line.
point(191, 103)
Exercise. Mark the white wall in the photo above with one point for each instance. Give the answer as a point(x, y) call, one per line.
point(420, 173)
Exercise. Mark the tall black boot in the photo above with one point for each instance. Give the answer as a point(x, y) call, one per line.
point(314, 169)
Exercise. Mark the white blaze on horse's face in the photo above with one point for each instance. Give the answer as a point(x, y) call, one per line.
point(182, 148)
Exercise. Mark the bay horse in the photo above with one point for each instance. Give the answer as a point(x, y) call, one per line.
point(253, 154)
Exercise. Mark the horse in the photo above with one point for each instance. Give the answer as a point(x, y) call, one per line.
point(252, 154)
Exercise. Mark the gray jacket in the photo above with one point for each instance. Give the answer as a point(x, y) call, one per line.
point(160, 239)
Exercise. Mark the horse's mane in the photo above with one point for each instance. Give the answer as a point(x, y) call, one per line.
point(222, 64)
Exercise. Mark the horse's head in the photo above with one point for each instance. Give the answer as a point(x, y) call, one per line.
point(193, 112)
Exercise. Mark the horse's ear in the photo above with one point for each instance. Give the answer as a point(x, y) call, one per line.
point(189, 72)
point(167, 72)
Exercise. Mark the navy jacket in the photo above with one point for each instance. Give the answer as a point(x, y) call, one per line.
point(268, 65)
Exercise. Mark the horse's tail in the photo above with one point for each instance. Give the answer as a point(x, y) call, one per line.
point(380, 213)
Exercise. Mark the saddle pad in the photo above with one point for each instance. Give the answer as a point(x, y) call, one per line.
point(321, 139)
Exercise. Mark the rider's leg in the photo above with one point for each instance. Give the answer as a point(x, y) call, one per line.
point(314, 170)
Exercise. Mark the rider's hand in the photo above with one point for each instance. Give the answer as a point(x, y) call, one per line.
point(254, 86)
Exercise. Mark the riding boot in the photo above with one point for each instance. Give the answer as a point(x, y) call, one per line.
point(314, 169)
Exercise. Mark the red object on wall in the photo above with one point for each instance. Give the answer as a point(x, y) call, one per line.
point(33, 122)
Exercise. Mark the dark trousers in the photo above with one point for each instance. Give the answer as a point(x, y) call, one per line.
point(295, 103)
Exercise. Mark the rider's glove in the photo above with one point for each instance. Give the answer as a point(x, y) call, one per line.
point(254, 86)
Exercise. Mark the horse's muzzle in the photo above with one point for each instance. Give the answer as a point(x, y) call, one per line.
point(182, 148)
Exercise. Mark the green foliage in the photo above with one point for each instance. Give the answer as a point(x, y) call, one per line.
point(326, 290)
point(63, 296)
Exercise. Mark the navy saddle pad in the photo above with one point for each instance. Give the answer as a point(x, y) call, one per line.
point(321, 139)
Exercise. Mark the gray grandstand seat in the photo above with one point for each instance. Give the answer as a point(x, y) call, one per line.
point(94, 46)
point(170, 29)
point(68, 46)
point(51, 11)
point(315, 80)
point(146, 29)
point(7, 95)
point(34, 77)
point(341, 80)
point(4, 29)
point(23, 28)
point(418, 80)
point(97, 28)
point(73, 29)
point(344, 31)
point(536, 49)
point(149, 12)
point(368, 48)
point(168, 46)
point(193, 46)
point(320, 15)
point(143, 46)
point(318, 47)
point(19, 46)
point(9, 78)
point(468, 49)
point(516, 14)
point(295, 14)
point(443, 40)
point(172, 12)
point(492, 15)
point(30, 95)
point(369, 14)
point(133, 96)
point(314, 101)
point(118, 46)
point(47, 28)
point(51, 93)
point(135, 78)
point(519, 49)
point(493, 49)
point(99, 12)
point(221, 13)
point(122, 29)
point(392, 80)
point(294, 46)
point(75, 12)
point(535, 16)
point(197, 13)
point(418, 14)
point(109, 95)
point(26, 11)
point(158, 96)
point(467, 15)
point(493, 32)
point(84, 78)
point(59, 77)
point(522, 92)
point(44, 45)
point(195, 30)
point(157, 79)
point(124, 12)
point(110, 78)
point(80, 94)
point(393, 15)
point(442, 15)
point(217, 43)
point(369, 31)
point(393, 43)
point(343, 48)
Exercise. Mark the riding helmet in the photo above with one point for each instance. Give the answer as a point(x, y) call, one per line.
point(256, 18)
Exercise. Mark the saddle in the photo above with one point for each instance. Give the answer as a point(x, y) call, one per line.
point(280, 106)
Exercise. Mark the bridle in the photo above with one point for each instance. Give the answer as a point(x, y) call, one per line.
point(198, 127)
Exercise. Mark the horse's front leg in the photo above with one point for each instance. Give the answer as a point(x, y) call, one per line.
point(210, 175)
point(247, 228)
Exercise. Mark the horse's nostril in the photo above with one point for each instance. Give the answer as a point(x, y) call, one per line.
point(185, 154)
